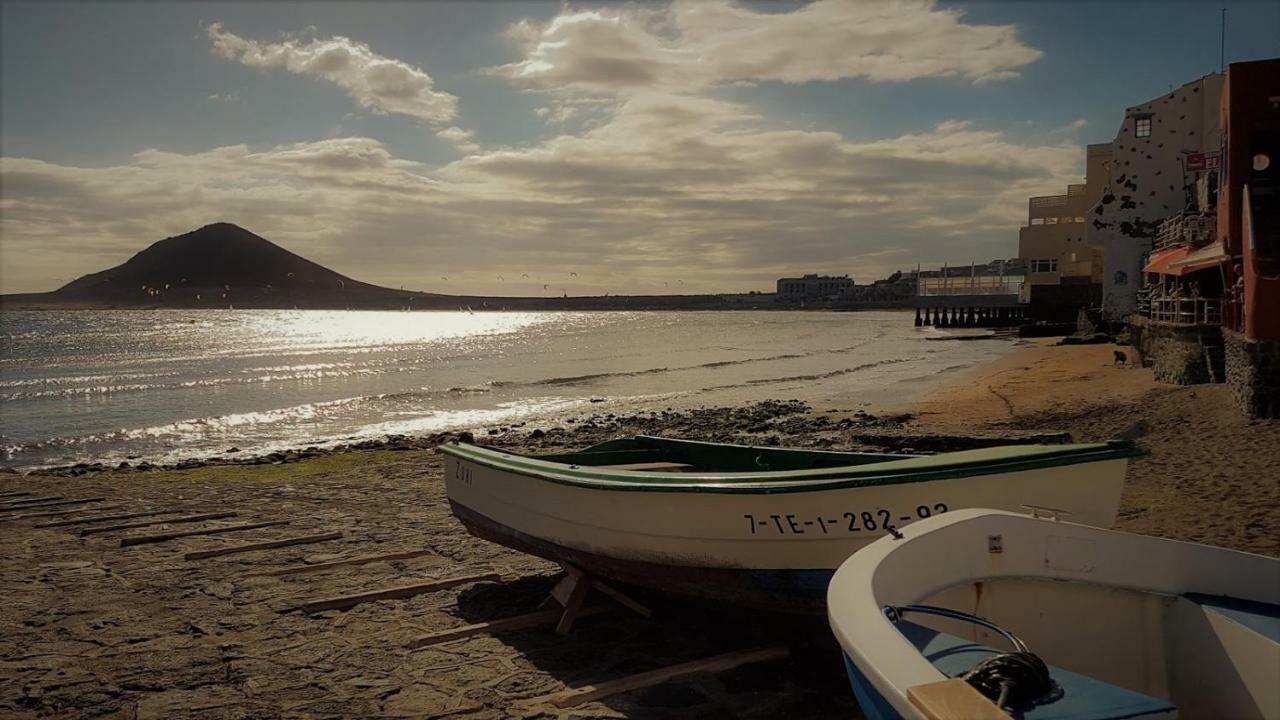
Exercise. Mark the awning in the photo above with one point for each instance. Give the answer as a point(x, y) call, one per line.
point(1208, 256)
point(1182, 260)
point(1160, 262)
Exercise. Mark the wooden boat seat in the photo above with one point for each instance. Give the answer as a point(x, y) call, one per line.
point(651, 467)
point(1084, 698)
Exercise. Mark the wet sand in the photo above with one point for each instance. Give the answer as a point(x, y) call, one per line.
point(92, 629)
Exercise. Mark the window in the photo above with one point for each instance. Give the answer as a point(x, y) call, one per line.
point(1142, 126)
point(1044, 265)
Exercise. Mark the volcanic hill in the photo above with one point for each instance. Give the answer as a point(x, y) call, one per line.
point(218, 266)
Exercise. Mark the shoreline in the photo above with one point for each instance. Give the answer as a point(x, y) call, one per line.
point(94, 629)
point(822, 396)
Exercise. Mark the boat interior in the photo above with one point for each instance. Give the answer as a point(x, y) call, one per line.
point(1116, 653)
point(653, 454)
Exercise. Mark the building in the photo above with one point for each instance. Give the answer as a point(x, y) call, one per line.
point(1144, 179)
point(813, 287)
point(1210, 307)
point(1054, 244)
point(1249, 232)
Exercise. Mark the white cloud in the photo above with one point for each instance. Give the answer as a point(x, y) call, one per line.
point(378, 83)
point(700, 43)
point(667, 184)
point(461, 139)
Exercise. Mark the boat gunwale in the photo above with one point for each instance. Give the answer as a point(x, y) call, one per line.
point(782, 481)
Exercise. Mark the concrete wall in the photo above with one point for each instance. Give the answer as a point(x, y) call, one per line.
point(1145, 182)
point(1253, 372)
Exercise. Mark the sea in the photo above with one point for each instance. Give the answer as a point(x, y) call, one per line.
point(170, 385)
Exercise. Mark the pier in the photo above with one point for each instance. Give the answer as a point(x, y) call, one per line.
point(970, 300)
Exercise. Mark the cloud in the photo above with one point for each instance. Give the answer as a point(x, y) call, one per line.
point(459, 138)
point(378, 83)
point(700, 43)
point(666, 184)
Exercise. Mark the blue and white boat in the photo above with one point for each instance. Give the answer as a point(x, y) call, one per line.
point(990, 614)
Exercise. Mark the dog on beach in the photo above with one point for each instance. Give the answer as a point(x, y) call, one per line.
point(1120, 358)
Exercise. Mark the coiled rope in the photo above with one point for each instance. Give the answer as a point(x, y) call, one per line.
point(1015, 681)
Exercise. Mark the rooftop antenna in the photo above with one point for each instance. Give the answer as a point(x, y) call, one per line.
point(1222, 43)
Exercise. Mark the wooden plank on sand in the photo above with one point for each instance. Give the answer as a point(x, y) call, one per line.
point(395, 593)
point(317, 567)
point(22, 503)
point(170, 521)
point(286, 542)
point(953, 698)
point(718, 663)
point(105, 518)
point(164, 537)
point(58, 513)
point(59, 503)
point(494, 627)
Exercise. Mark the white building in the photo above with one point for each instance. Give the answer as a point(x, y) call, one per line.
point(1146, 181)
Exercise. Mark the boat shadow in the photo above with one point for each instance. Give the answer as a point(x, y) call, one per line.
point(809, 683)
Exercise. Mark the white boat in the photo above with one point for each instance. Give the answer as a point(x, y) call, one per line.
point(758, 526)
point(1128, 626)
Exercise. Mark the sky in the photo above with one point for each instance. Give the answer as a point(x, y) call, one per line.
point(532, 148)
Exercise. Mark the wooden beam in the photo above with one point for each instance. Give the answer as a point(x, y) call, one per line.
point(164, 537)
point(719, 663)
point(58, 503)
point(56, 513)
point(13, 494)
point(104, 518)
point(170, 521)
point(318, 567)
point(494, 627)
point(395, 593)
point(25, 502)
point(286, 542)
point(953, 699)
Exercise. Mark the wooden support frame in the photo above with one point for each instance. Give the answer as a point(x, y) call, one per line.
point(320, 567)
point(346, 602)
point(269, 545)
point(718, 663)
point(571, 594)
point(169, 521)
point(501, 625)
point(165, 537)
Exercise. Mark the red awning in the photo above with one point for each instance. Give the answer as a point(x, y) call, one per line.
point(1161, 261)
point(1208, 256)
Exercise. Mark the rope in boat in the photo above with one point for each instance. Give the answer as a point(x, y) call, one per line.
point(1017, 680)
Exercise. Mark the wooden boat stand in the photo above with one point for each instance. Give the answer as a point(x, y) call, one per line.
point(571, 594)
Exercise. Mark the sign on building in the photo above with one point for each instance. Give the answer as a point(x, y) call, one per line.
point(1203, 161)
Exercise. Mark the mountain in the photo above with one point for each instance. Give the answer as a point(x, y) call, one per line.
point(225, 266)
point(220, 265)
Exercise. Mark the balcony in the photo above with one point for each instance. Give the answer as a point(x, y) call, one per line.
point(1188, 229)
point(1180, 310)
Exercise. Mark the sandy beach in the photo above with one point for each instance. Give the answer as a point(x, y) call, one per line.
point(91, 629)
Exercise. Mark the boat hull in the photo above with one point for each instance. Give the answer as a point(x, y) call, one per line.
point(763, 549)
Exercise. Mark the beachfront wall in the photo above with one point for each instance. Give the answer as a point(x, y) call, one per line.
point(1253, 373)
point(1180, 354)
point(1146, 181)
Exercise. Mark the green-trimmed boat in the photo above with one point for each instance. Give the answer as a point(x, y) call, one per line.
point(759, 526)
